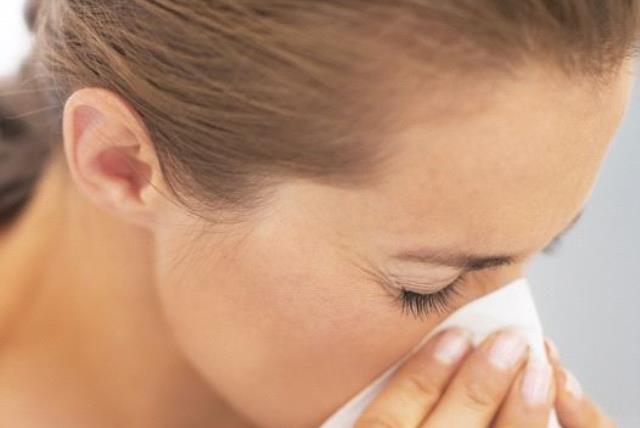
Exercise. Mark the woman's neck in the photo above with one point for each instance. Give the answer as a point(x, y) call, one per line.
point(78, 308)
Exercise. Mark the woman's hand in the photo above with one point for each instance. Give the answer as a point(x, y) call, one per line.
point(446, 383)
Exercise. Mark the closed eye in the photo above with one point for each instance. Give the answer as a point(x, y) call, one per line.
point(422, 305)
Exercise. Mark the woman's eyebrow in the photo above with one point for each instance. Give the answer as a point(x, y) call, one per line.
point(467, 261)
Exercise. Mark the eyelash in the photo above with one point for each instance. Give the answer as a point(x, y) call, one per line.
point(422, 305)
point(554, 246)
point(418, 304)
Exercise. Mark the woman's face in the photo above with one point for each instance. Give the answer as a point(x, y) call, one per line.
point(284, 316)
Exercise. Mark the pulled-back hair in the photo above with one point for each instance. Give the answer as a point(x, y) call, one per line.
point(237, 94)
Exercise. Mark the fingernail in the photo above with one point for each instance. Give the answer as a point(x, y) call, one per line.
point(572, 385)
point(452, 346)
point(507, 349)
point(536, 382)
point(552, 349)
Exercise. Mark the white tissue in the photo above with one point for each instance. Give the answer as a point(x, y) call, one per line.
point(511, 305)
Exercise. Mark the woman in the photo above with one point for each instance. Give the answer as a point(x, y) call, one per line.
point(254, 207)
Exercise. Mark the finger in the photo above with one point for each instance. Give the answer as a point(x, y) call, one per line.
point(530, 398)
point(480, 385)
point(574, 409)
point(552, 351)
point(418, 384)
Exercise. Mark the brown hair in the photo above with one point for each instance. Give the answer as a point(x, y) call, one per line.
point(237, 94)
point(25, 131)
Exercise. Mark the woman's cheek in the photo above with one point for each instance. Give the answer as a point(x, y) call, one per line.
point(283, 328)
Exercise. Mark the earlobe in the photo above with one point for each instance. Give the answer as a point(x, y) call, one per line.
point(110, 156)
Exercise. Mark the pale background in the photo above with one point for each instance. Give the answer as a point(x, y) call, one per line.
point(588, 293)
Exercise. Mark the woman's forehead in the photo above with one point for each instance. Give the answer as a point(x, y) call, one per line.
point(534, 149)
point(507, 177)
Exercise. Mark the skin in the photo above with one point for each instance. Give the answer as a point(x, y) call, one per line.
point(466, 388)
point(150, 317)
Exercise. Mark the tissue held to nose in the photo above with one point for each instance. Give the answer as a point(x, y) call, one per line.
point(470, 364)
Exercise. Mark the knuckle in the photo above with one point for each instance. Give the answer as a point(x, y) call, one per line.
point(418, 387)
point(479, 394)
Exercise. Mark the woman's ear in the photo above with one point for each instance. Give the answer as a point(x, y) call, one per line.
point(110, 155)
